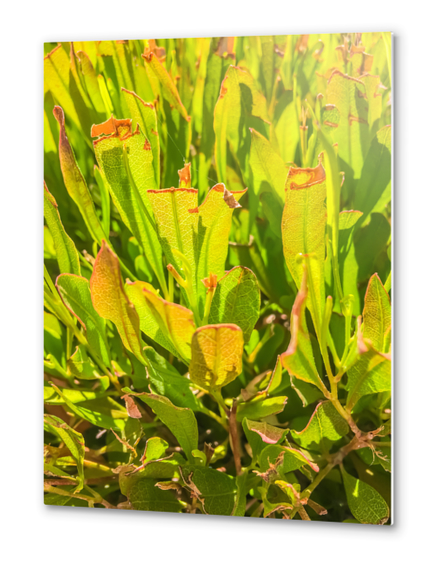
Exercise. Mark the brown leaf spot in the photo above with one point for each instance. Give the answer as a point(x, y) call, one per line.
point(131, 407)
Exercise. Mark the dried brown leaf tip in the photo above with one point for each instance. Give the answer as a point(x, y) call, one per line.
point(153, 48)
point(303, 178)
point(117, 127)
point(185, 176)
point(229, 198)
point(226, 48)
point(131, 407)
point(210, 282)
point(272, 471)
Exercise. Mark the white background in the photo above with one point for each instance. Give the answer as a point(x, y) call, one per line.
point(31, 530)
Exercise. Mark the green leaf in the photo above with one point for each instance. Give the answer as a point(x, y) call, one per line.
point(217, 491)
point(75, 182)
point(75, 294)
point(175, 323)
point(237, 300)
point(110, 300)
point(180, 421)
point(167, 381)
point(154, 450)
point(370, 374)
point(303, 226)
point(65, 250)
point(145, 496)
point(75, 396)
point(325, 427)
point(72, 439)
point(216, 355)
point(377, 314)
point(366, 505)
point(105, 413)
point(261, 408)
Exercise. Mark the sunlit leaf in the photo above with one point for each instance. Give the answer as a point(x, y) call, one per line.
point(110, 301)
point(75, 182)
point(377, 314)
point(237, 300)
point(365, 503)
point(303, 226)
point(325, 427)
point(216, 355)
point(66, 252)
point(75, 294)
point(72, 439)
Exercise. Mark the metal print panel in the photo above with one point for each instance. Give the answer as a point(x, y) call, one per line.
point(218, 276)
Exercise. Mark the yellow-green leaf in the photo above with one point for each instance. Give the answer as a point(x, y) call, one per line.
point(237, 300)
point(129, 177)
point(175, 322)
point(365, 503)
point(66, 252)
point(351, 134)
point(377, 314)
point(110, 300)
point(216, 355)
point(213, 228)
point(75, 182)
point(303, 227)
point(75, 294)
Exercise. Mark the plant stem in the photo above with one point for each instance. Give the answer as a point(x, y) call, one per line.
point(234, 437)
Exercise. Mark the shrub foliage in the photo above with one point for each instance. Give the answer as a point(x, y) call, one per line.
point(217, 275)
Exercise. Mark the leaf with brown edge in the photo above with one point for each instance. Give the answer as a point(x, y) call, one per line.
point(117, 127)
point(216, 355)
point(175, 321)
point(127, 167)
point(213, 229)
point(145, 115)
point(75, 182)
point(169, 90)
point(237, 300)
point(299, 357)
point(66, 252)
point(377, 314)
point(110, 300)
point(324, 428)
point(303, 228)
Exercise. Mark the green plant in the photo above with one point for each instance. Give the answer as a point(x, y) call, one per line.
point(222, 350)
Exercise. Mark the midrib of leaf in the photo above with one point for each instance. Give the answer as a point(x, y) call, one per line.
point(176, 221)
point(217, 361)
